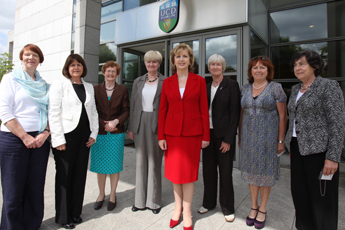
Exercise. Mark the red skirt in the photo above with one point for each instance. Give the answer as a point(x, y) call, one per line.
point(182, 158)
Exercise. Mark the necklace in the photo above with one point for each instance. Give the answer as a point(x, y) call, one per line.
point(182, 78)
point(109, 89)
point(147, 78)
point(260, 86)
point(306, 87)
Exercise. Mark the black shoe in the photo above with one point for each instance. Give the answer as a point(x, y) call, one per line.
point(68, 226)
point(77, 220)
point(156, 211)
point(134, 209)
point(111, 205)
point(98, 205)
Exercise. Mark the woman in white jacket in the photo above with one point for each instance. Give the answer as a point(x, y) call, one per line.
point(73, 123)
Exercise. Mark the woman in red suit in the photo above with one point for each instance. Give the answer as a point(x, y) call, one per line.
point(183, 129)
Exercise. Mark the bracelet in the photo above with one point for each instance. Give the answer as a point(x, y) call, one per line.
point(280, 141)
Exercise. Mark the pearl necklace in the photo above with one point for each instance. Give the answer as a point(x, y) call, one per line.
point(260, 86)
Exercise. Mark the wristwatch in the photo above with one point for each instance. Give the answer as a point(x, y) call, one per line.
point(280, 142)
point(47, 131)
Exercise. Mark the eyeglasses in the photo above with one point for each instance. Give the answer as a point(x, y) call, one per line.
point(261, 57)
point(110, 72)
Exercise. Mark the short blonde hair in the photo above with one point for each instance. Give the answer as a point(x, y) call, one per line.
point(178, 49)
point(217, 58)
point(153, 55)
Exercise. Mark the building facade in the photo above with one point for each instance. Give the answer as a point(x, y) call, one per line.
point(123, 30)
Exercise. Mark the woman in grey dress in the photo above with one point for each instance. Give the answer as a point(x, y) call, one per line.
point(262, 130)
point(142, 128)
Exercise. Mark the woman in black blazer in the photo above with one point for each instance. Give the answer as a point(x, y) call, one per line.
point(224, 110)
point(315, 140)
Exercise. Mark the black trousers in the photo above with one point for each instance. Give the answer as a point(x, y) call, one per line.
point(23, 173)
point(71, 168)
point(213, 158)
point(313, 211)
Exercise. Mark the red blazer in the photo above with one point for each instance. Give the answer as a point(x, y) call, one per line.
point(187, 116)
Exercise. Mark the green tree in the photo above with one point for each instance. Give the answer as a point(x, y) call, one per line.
point(5, 64)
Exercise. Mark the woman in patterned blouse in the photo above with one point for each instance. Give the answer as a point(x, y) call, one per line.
point(315, 140)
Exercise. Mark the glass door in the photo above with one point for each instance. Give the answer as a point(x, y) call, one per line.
point(228, 44)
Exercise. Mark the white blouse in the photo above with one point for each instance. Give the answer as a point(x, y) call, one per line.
point(148, 94)
point(15, 103)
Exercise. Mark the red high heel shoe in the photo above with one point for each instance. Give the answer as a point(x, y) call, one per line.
point(188, 228)
point(173, 223)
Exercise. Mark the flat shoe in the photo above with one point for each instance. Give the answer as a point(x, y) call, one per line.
point(98, 205)
point(202, 210)
point(135, 209)
point(156, 211)
point(77, 220)
point(111, 205)
point(230, 218)
point(68, 226)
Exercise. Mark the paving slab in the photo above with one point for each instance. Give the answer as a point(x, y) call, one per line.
point(280, 209)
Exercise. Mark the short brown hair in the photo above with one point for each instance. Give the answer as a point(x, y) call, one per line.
point(111, 64)
point(177, 50)
point(264, 61)
point(32, 48)
point(69, 61)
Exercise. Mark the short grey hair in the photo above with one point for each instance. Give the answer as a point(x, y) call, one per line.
point(217, 58)
point(152, 55)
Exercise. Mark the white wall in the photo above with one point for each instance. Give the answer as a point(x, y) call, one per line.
point(48, 24)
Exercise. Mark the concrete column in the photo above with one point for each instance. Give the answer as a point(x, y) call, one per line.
point(87, 35)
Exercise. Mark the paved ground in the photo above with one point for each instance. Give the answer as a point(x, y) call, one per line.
point(280, 208)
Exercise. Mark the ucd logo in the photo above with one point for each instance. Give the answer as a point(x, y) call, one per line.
point(168, 15)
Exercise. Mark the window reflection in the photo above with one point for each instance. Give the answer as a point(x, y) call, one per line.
point(110, 9)
point(333, 54)
point(130, 4)
point(107, 52)
point(283, 3)
point(108, 31)
point(312, 22)
point(299, 24)
point(194, 45)
point(225, 46)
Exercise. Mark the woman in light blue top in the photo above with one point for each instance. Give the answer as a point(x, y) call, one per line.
point(24, 148)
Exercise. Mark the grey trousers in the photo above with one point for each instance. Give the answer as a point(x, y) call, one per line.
point(148, 186)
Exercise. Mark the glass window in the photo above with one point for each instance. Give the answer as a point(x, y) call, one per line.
point(130, 4)
point(332, 52)
point(257, 47)
point(284, 3)
point(107, 52)
point(225, 46)
point(299, 24)
point(108, 31)
point(130, 68)
point(74, 6)
point(110, 9)
point(72, 40)
point(194, 45)
point(311, 22)
point(73, 22)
